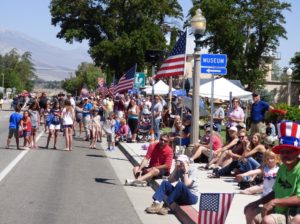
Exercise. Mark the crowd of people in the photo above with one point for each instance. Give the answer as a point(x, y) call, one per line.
point(253, 159)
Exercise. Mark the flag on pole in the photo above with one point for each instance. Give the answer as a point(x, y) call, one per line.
point(111, 89)
point(126, 81)
point(214, 207)
point(174, 65)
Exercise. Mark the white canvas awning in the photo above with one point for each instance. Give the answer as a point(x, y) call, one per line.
point(160, 88)
point(222, 89)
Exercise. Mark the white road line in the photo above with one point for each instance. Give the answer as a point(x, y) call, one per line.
point(13, 163)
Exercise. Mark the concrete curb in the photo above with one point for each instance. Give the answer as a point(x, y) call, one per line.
point(186, 214)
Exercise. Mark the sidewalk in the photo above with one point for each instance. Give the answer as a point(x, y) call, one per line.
point(189, 214)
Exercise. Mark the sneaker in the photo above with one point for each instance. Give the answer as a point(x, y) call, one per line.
point(154, 208)
point(163, 211)
point(108, 149)
point(140, 183)
point(129, 182)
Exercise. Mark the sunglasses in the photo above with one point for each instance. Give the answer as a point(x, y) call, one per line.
point(163, 140)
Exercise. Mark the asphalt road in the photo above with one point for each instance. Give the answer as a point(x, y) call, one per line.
point(54, 186)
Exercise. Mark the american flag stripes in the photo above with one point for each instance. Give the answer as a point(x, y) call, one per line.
point(126, 81)
point(214, 207)
point(174, 65)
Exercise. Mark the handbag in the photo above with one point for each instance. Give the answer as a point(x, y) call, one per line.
point(20, 133)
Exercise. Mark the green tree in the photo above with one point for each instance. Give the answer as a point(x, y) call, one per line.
point(18, 70)
point(248, 31)
point(295, 61)
point(119, 31)
point(85, 76)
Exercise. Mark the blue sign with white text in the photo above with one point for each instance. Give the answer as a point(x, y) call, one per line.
point(214, 71)
point(213, 60)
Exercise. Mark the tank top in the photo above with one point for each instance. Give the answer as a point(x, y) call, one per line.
point(269, 179)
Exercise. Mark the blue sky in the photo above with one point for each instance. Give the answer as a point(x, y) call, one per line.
point(32, 17)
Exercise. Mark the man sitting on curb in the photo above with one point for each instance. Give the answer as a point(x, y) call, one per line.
point(286, 190)
point(205, 148)
point(159, 157)
point(184, 193)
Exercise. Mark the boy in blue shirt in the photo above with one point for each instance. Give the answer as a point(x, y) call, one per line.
point(14, 121)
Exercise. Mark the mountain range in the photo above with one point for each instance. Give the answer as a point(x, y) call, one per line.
point(51, 63)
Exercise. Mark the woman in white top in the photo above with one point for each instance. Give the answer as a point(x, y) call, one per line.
point(68, 118)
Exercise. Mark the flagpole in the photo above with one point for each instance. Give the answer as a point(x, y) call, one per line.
point(152, 107)
point(183, 104)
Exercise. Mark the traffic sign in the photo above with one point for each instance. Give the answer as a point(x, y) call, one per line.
point(139, 80)
point(214, 71)
point(213, 60)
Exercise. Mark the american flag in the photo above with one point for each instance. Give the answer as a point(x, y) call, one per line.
point(126, 81)
point(214, 207)
point(111, 89)
point(174, 65)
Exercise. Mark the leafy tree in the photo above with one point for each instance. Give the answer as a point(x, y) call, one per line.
point(85, 76)
point(295, 61)
point(119, 31)
point(18, 70)
point(248, 31)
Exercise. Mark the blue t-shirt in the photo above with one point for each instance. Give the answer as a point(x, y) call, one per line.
point(258, 111)
point(86, 109)
point(14, 120)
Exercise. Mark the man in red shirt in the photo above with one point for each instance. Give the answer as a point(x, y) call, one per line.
point(159, 157)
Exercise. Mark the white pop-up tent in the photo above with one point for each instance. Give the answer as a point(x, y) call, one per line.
point(222, 89)
point(160, 88)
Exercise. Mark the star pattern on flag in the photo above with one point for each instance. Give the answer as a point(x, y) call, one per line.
point(296, 143)
point(210, 202)
point(180, 46)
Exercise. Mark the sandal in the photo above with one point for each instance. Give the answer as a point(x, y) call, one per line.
point(213, 175)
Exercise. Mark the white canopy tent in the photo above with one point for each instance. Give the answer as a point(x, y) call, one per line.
point(222, 89)
point(160, 88)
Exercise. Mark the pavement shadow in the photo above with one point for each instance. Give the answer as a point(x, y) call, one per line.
point(104, 156)
point(104, 181)
point(99, 156)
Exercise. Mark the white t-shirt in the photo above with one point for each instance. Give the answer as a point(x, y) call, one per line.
point(67, 117)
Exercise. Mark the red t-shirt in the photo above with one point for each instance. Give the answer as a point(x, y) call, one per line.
point(158, 156)
point(216, 142)
point(27, 125)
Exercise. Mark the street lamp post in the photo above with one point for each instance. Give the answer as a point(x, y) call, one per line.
point(198, 24)
point(289, 73)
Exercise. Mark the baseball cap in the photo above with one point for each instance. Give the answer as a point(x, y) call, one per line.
point(241, 125)
point(182, 158)
point(233, 129)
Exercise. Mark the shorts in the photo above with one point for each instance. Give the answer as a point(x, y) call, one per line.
point(205, 151)
point(279, 218)
point(54, 127)
point(259, 127)
point(162, 172)
point(110, 137)
point(13, 132)
point(68, 126)
point(26, 134)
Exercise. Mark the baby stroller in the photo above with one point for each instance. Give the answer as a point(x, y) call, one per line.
point(144, 126)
